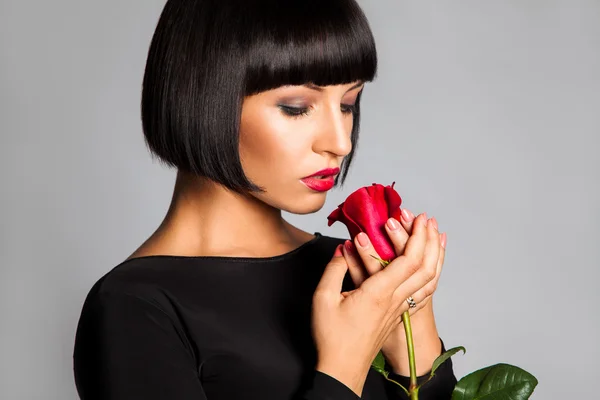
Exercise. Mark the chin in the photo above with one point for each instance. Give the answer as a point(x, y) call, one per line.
point(294, 201)
point(308, 204)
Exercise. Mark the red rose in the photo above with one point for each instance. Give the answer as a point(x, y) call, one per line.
point(367, 210)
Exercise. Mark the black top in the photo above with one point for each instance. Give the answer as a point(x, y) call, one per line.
point(216, 328)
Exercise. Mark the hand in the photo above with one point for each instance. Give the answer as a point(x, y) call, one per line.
point(361, 265)
point(349, 329)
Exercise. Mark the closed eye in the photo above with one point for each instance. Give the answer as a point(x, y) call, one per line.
point(294, 111)
point(348, 108)
point(303, 111)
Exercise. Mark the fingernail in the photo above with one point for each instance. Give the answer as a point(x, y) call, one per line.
point(424, 220)
point(392, 224)
point(348, 245)
point(338, 251)
point(444, 238)
point(405, 215)
point(363, 239)
point(434, 221)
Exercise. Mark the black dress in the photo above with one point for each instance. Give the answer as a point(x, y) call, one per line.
point(216, 328)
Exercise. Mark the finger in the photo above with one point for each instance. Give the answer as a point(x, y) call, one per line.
point(333, 276)
point(397, 235)
point(427, 268)
point(366, 251)
point(357, 271)
point(403, 266)
point(426, 292)
point(407, 220)
point(442, 252)
point(419, 300)
point(420, 304)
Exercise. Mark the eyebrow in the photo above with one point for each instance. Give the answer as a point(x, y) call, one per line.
point(320, 88)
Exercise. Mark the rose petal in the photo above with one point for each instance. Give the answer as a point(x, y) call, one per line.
point(334, 216)
point(367, 210)
point(353, 228)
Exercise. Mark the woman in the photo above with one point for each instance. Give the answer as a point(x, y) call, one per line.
point(226, 299)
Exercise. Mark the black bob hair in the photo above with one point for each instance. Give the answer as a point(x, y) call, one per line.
point(206, 55)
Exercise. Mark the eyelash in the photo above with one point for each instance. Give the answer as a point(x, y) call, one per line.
point(295, 112)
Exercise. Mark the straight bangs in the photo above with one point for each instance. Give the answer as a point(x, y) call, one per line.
point(293, 43)
point(207, 55)
point(310, 41)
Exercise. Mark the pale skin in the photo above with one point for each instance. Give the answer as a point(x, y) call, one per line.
point(350, 328)
point(276, 151)
point(425, 334)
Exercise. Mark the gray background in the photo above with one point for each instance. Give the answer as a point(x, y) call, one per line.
point(486, 114)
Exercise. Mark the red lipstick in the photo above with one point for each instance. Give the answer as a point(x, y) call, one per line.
point(322, 180)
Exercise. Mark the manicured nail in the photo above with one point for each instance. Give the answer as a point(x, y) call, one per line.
point(392, 224)
point(363, 239)
point(444, 238)
point(348, 245)
point(405, 215)
point(338, 251)
point(424, 219)
point(434, 221)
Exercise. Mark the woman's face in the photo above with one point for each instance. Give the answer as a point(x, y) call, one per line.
point(291, 132)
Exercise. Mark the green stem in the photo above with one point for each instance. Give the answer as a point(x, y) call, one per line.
point(414, 392)
point(413, 389)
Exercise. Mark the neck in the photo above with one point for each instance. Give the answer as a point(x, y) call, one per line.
point(205, 218)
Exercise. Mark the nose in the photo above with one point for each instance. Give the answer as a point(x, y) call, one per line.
point(334, 132)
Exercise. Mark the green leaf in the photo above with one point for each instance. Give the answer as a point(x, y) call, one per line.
point(438, 361)
point(444, 356)
point(496, 382)
point(379, 362)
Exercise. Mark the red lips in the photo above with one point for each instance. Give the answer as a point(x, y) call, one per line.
point(324, 172)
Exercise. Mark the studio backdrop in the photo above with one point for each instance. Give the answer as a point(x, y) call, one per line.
point(485, 114)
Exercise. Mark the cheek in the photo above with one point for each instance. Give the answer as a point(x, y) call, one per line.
point(273, 143)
